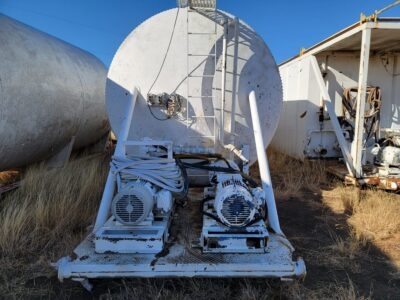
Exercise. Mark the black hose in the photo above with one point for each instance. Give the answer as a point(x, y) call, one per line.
point(250, 180)
point(185, 192)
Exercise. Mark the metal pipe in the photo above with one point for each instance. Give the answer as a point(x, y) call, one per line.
point(126, 124)
point(109, 188)
point(237, 152)
point(105, 203)
point(263, 165)
point(357, 145)
point(223, 82)
point(234, 83)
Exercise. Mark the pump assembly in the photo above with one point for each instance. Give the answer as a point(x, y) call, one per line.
point(179, 200)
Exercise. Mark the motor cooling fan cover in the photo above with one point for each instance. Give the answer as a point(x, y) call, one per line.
point(133, 203)
point(234, 205)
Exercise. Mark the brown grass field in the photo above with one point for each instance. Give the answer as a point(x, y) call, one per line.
point(349, 238)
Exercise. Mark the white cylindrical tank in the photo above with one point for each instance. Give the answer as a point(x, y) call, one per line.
point(181, 51)
point(50, 91)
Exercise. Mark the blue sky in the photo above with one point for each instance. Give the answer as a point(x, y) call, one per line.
point(99, 26)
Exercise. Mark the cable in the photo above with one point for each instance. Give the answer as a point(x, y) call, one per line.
point(185, 191)
point(162, 172)
point(162, 66)
point(202, 166)
point(154, 116)
point(207, 157)
point(372, 115)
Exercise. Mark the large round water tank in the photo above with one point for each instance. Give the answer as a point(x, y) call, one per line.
point(50, 91)
point(181, 51)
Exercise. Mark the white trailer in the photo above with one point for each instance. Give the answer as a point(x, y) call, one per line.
point(194, 96)
point(342, 99)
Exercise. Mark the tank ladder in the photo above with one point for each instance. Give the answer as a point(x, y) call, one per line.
point(198, 82)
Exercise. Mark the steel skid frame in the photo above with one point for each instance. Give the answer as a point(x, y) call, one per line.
point(174, 246)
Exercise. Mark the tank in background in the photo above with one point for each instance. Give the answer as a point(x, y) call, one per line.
point(51, 95)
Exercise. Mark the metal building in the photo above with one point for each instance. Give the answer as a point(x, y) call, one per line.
point(341, 100)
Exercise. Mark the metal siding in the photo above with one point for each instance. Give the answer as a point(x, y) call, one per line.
point(301, 94)
point(299, 109)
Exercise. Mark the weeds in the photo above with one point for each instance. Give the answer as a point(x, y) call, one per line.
point(376, 215)
point(50, 213)
point(49, 205)
point(45, 218)
point(291, 176)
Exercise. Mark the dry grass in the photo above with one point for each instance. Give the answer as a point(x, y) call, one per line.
point(343, 253)
point(45, 218)
point(373, 214)
point(50, 214)
point(329, 291)
point(292, 176)
point(349, 198)
point(186, 289)
point(49, 205)
point(217, 289)
point(376, 215)
point(354, 220)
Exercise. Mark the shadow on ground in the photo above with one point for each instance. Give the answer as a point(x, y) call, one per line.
point(333, 256)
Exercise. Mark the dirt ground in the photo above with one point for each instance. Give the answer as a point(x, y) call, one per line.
point(317, 227)
point(319, 232)
point(312, 215)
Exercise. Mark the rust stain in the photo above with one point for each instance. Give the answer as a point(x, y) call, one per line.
point(389, 183)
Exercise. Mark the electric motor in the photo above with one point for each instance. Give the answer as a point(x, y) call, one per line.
point(389, 155)
point(134, 202)
point(234, 204)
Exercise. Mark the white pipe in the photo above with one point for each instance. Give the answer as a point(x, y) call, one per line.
point(105, 203)
point(126, 124)
point(263, 165)
point(223, 82)
point(232, 129)
point(109, 188)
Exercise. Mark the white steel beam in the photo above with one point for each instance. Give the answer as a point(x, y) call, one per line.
point(126, 124)
point(263, 166)
point(232, 130)
point(333, 118)
point(109, 188)
point(223, 82)
point(332, 40)
point(357, 145)
point(383, 25)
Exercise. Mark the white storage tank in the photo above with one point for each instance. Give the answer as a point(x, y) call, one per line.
point(51, 93)
point(180, 52)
